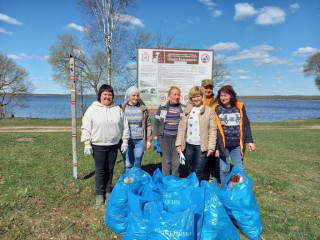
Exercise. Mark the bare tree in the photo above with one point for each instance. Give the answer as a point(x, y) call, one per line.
point(14, 85)
point(221, 74)
point(108, 29)
point(89, 65)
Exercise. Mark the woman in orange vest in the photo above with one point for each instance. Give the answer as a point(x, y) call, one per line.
point(233, 131)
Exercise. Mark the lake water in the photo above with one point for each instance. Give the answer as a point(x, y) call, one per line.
point(257, 110)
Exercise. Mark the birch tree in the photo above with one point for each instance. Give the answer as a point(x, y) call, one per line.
point(108, 28)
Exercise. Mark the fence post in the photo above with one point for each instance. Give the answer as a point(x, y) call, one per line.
point(74, 116)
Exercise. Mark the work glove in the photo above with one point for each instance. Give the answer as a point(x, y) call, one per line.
point(182, 158)
point(88, 149)
point(124, 147)
point(156, 146)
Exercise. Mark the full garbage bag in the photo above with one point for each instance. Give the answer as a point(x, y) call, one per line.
point(117, 206)
point(172, 182)
point(181, 199)
point(216, 222)
point(164, 225)
point(241, 205)
point(139, 210)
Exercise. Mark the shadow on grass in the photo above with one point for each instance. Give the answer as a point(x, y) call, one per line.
point(90, 175)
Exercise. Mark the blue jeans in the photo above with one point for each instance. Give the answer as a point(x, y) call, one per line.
point(133, 157)
point(235, 155)
point(195, 160)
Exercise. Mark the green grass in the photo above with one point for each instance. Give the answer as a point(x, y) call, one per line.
point(37, 122)
point(41, 200)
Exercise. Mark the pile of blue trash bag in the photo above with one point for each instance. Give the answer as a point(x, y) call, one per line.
point(162, 207)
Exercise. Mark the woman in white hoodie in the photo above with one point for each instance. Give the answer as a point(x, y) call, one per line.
point(103, 126)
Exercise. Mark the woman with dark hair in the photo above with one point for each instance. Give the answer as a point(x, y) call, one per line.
point(197, 134)
point(103, 126)
point(233, 131)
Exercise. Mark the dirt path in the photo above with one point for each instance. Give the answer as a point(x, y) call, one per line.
point(36, 129)
point(68, 129)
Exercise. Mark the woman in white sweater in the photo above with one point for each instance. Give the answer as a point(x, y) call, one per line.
point(103, 126)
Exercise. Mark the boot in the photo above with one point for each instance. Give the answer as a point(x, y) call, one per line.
point(99, 200)
point(107, 196)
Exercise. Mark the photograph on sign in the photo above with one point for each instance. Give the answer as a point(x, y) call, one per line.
point(159, 69)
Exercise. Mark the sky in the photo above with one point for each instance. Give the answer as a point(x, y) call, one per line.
point(263, 43)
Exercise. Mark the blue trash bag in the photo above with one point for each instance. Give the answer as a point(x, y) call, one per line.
point(241, 205)
point(117, 211)
point(216, 222)
point(181, 199)
point(170, 226)
point(139, 210)
point(150, 191)
point(172, 182)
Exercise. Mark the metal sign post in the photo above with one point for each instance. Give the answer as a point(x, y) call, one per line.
point(74, 117)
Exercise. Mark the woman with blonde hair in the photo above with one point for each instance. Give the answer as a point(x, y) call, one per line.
point(197, 133)
point(166, 124)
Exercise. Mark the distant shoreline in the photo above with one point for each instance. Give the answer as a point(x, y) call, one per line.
point(266, 97)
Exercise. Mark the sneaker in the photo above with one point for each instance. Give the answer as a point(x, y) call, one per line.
point(99, 200)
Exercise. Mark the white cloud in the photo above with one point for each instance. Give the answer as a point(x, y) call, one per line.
point(270, 15)
point(210, 6)
point(216, 13)
point(4, 31)
point(297, 70)
point(225, 46)
point(259, 55)
point(219, 57)
point(305, 51)
point(271, 61)
point(9, 20)
point(208, 3)
point(294, 7)
point(240, 71)
point(244, 10)
point(23, 56)
point(244, 78)
point(190, 21)
point(76, 26)
point(131, 19)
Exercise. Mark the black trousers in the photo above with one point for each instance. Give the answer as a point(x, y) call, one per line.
point(212, 167)
point(105, 159)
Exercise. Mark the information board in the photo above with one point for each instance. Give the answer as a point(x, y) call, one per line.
point(159, 69)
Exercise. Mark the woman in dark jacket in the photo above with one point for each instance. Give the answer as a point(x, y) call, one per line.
point(166, 124)
point(233, 131)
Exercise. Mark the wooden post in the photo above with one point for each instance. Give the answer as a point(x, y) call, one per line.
point(74, 116)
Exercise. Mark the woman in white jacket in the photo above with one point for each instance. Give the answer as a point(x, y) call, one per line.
point(103, 126)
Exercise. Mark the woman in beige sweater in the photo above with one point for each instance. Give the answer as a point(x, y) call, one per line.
point(197, 132)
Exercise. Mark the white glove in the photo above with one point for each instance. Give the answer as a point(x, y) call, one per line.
point(182, 158)
point(124, 147)
point(88, 149)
